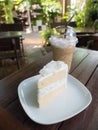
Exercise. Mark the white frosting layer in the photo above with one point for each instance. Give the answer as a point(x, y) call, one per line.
point(52, 67)
point(42, 92)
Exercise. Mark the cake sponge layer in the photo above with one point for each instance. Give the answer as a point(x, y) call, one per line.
point(47, 98)
point(44, 82)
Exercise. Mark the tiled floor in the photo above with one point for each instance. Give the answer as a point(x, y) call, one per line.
point(33, 49)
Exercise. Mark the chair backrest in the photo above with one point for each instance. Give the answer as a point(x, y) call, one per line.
point(11, 27)
point(8, 44)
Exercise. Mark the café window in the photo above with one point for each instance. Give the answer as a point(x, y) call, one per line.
point(76, 6)
point(79, 4)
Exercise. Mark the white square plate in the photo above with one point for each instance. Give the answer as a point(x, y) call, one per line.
point(71, 102)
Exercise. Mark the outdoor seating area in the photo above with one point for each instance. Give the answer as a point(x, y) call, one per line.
point(30, 50)
point(48, 64)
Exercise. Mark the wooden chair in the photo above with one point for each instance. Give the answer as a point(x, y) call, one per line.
point(13, 27)
point(10, 49)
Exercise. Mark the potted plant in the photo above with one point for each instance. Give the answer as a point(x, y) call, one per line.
point(51, 9)
point(46, 34)
point(91, 13)
point(8, 5)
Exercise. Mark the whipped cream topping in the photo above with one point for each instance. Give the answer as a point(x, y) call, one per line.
point(52, 67)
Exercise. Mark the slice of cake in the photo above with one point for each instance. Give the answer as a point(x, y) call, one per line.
point(52, 81)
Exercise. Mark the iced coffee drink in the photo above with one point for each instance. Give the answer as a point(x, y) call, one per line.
point(63, 49)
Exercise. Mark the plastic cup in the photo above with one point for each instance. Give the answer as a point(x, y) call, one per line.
point(63, 54)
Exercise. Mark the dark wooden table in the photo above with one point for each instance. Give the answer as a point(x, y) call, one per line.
point(81, 31)
point(85, 35)
point(84, 68)
point(10, 34)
